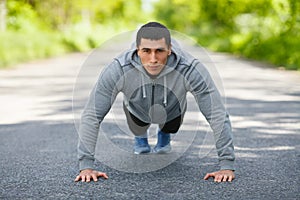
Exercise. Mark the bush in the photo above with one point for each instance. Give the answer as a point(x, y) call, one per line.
point(266, 30)
point(29, 36)
point(19, 47)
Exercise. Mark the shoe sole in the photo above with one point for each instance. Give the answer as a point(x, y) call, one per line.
point(143, 152)
point(138, 153)
point(163, 150)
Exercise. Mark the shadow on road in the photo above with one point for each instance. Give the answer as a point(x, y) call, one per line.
point(38, 160)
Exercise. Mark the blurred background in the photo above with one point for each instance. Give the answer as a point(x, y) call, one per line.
point(263, 30)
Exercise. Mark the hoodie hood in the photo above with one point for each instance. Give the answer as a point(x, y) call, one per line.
point(177, 56)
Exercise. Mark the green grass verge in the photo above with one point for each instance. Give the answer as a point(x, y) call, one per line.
point(22, 46)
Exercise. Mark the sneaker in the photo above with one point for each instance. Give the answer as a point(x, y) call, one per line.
point(141, 145)
point(163, 143)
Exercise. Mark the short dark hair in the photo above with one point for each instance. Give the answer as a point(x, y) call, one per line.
point(153, 31)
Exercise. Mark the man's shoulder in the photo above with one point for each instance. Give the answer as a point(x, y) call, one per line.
point(184, 58)
point(126, 57)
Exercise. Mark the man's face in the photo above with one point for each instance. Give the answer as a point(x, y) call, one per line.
point(153, 55)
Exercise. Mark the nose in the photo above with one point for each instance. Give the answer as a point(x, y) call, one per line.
point(153, 58)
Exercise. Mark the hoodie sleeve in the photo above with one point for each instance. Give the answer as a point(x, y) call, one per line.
point(208, 98)
point(98, 105)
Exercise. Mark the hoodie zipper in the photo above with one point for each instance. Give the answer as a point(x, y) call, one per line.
point(153, 89)
point(152, 98)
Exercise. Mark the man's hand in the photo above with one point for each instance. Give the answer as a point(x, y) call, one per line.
point(88, 174)
point(222, 175)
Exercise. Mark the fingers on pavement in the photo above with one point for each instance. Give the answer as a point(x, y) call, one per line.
point(207, 176)
point(101, 174)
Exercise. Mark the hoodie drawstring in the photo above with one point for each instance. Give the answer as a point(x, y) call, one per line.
point(143, 87)
point(165, 91)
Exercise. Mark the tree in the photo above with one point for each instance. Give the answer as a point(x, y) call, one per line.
point(2, 15)
point(266, 30)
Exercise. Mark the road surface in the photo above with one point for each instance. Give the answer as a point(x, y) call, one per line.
point(39, 121)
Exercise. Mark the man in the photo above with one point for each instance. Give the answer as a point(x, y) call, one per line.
point(155, 78)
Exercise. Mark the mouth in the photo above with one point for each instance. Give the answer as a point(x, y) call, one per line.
point(153, 66)
point(154, 69)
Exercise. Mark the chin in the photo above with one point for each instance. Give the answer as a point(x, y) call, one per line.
point(153, 73)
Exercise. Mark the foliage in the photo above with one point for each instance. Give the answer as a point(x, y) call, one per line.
point(266, 30)
point(21, 17)
point(19, 47)
point(26, 37)
point(38, 29)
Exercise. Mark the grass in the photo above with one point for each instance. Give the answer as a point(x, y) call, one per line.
point(21, 46)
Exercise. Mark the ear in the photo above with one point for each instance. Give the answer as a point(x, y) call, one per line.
point(138, 51)
point(170, 50)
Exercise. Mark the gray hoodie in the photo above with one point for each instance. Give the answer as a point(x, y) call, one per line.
point(155, 100)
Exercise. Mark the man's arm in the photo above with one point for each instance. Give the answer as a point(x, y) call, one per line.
point(96, 108)
point(210, 104)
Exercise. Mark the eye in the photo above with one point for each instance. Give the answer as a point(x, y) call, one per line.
point(160, 50)
point(145, 50)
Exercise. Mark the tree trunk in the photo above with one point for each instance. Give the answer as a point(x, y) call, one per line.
point(2, 15)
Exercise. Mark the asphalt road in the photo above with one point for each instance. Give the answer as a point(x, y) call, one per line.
point(39, 121)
